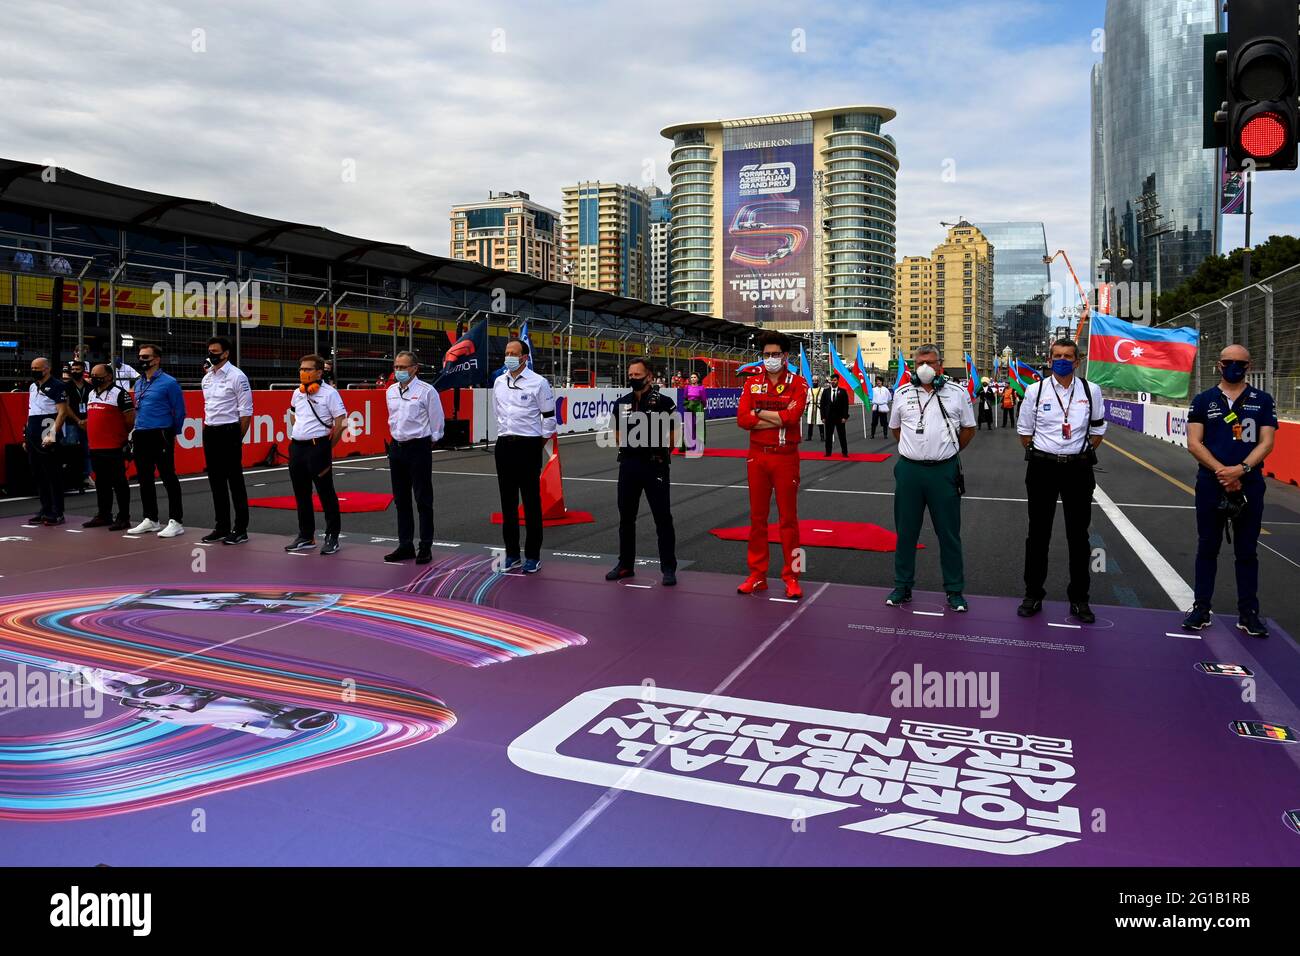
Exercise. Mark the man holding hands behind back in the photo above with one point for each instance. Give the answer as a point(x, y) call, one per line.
point(318, 417)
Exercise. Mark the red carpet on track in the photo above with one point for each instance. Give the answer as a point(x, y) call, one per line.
point(855, 535)
point(803, 455)
point(351, 502)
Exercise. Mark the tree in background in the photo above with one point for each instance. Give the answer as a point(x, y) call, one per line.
point(1219, 276)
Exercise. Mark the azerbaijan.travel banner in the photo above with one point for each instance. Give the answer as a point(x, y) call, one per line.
point(767, 206)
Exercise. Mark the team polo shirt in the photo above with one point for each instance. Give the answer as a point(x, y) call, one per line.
point(1232, 429)
point(1048, 408)
point(106, 417)
point(43, 400)
point(314, 415)
point(919, 416)
point(227, 396)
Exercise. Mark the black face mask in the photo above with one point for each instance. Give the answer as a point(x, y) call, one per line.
point(100, 382)
point(214, 359)
point(1233, 370)
point(144, 364)
point(635, 384)
point(37, 375)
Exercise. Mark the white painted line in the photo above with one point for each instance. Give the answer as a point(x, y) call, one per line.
point(73, 530)
point(1279, 554)
point(784, 600)
point(1054, 624)
point(930, 613)
point(644, 587)
point(1179, 592)
point(1194, 637)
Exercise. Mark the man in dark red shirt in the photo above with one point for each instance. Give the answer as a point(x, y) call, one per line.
point(110, 415)
point(771, 410)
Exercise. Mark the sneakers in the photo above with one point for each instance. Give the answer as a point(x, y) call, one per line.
point(751, 584)
point(1198, 618)
point(792, 590)
point(301, 543)
point(148, 526)
point(899, 597)
point(618, 573)
point(331, 545)
point(512, 564)
point(38, 518)
point(1249, 622)
point(235, 537)
point(1029, 607)
point(1082, 613)
point(213, 536)
point(174, 529)
point(404, 553)
point(53, 522)
point(956, 602)
point(670, 579)
point(424, 555)
point(532, 565)
point(97, 522)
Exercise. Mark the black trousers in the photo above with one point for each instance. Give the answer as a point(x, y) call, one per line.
point(1008, 417)
point(311, 462)
point(155, 449)
point(223, 453)
point(1072, 482)
point(985, 417)
point(410, 465)
point(821, 430)
point(831, 432)
point(110, 481)
point(1245, 540)
point(881, 418)
point(519, 476)
point(46, 465)
point(637, 475)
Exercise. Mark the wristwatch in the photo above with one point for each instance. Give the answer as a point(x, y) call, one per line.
point(1246, 467)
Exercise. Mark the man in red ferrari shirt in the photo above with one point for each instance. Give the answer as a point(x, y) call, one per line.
point(771, 410)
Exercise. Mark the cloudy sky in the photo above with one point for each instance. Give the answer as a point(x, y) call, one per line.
point(373, 118)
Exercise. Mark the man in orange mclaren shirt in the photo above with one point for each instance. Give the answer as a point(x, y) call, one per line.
point(771, 410)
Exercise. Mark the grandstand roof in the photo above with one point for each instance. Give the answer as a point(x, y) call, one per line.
point(73, 194)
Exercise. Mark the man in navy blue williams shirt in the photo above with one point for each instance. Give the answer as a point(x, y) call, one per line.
point(1230, 431)
point(159, 418)
point(47, 409)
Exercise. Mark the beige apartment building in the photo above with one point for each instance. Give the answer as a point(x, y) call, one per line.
point(508, 231)
point(606, 238)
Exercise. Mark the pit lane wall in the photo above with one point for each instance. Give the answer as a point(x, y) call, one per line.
point(1169, 423)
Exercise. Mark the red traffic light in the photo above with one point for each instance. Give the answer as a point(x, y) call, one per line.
point(1264, 134)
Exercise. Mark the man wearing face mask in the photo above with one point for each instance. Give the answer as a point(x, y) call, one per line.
point(47, 409)
point(771, 408)
point(644, 426)
point(415, 422)
point(109, 417)
point(159, 418)
point(1230, 431)
point(318, 415)
point(525, 410)
point(932, 420)
point(1061, 424)
point(227, 413)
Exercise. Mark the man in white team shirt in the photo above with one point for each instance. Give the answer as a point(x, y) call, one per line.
point(525, 409)
point(415, 422)
point(880, 399)
point(227, 413)
point(318, 418)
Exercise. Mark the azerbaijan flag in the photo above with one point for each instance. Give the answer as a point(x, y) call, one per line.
point(1139, 358)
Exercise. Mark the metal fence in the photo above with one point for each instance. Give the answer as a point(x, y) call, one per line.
point(1265, 318)
point(67, 306)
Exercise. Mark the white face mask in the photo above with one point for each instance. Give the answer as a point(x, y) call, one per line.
point(512, 362)
point(773, 363)
point(925, 374)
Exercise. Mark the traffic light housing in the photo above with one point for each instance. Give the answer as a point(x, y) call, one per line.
point(1262, 84)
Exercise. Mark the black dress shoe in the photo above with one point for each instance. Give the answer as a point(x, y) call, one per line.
point(401, 554)
point(214, 536)
point(670, 578)
point(423, 556)
point(1082, 613)
point(300, 543)
point(121, 524)
point(331, 544)
point(618, 573)
point(97, 522)
point(1029, 607)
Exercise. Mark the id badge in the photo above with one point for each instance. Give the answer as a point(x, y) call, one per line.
point(1236, 433)
point(920, 429)
point(1065, 429)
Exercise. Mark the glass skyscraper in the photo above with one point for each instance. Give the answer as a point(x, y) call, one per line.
point(1151, 171)
point(1020, 284)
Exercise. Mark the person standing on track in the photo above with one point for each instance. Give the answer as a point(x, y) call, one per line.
point(1008, 406)
point(1060, 426)
point(1230, 431)
point(47, 409)
point(835, 413)
point(109, 417)
point(159, 418)
point(525, 409)
point(932, 420)
point(227, 413)
point(415, 422)
point(771, 409)
point(813, 410)
point(318, 418)
point(880, 399)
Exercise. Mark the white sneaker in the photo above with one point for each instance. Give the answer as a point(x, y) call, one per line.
point(146, 527)
point(173, 529)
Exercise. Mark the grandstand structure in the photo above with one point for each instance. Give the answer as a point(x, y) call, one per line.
point(94, 269)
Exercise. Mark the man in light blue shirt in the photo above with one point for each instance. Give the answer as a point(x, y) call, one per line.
point(159, 418)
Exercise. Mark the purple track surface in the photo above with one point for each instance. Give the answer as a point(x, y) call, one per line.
point(1109, 746)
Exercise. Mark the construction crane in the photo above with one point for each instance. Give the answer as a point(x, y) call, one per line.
point(1083, 296)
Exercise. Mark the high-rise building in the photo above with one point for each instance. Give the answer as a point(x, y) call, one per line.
point(947, 299)
point(786, 221)
point(607, 238)
point(1158, 187)
point(508, 231)
point(1021, 284)
point(661, 220)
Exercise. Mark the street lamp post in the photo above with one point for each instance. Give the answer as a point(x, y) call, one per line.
point(568, 370)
